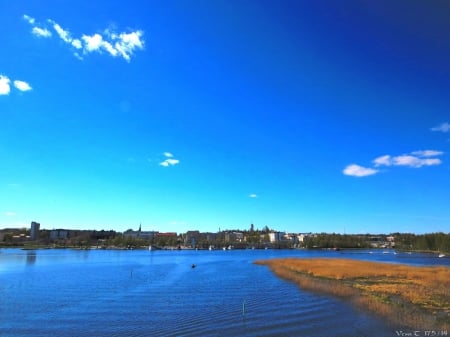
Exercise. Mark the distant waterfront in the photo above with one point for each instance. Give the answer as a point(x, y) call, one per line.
point(226, 239)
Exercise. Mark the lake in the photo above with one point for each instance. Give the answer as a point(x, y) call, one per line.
point(65, 292)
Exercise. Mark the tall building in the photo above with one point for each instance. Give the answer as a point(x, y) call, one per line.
point(34, 232)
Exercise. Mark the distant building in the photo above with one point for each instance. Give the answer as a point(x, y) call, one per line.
point(210, 237)
point(20, 238)
point(58, 234)
point(302, 237)
point(276, 236)
point(166, 235)
point(191, 238)
point(103, 235)
point(291, 237)
point(34, 232)
point(234, 236)
point(140, 234)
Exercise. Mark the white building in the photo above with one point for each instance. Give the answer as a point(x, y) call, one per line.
point(276, 236)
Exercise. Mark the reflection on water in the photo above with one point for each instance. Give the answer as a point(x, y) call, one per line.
point(141, 293)
point(31, 256)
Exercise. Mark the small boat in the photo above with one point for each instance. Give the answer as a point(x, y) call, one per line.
point(441, 255)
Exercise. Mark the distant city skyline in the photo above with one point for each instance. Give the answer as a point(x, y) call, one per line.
point(300, 116)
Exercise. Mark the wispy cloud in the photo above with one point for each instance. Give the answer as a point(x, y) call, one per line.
point(427, 153)
point(29, 19)
point(62, 33)
point(359, 171)
point(122, 44)
point(5, 87)
point(10, 213)
point(253, 195)
point(169, 161)
point(41, 32)
point(383, 160)
point(444, 127)
point(414, 159)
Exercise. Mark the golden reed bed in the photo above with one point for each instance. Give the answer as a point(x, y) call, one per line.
point(418, 297)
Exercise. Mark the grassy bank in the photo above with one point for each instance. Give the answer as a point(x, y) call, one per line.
point(417, 297)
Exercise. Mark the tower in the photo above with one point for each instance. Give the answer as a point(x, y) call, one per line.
point(34, 231)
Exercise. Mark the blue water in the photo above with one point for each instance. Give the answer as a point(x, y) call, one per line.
point(142, 293)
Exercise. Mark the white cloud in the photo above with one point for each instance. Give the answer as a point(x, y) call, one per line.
point(128, 42)
point(41, 32)
point(164, 163)
point(383, 160)
point(359, 171)
point(63, 34)
point(77, 44)
point(29, 19)
point(36, 30)
point(92, 43)
point(444, 127)
point(22, 86)
point(170, 161)
point(427, 153)
point(122, 44)
point(109, 48)
point(412, 161)
point(4, 85)
point(10, 213)
point(253, 195)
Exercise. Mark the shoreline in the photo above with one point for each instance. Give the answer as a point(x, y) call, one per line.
point(45, 247)
point(410, 296)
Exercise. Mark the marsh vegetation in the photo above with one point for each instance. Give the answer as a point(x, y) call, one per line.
point(417, 297)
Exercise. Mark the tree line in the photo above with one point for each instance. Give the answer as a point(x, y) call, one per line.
point(336, 241)
point(436, 242)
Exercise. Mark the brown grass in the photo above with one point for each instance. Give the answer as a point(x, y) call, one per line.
point(418, 297)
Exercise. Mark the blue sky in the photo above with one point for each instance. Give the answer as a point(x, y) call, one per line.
point(182, 115)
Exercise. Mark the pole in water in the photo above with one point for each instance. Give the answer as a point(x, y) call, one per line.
point(131, 274)
point(243, 308)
